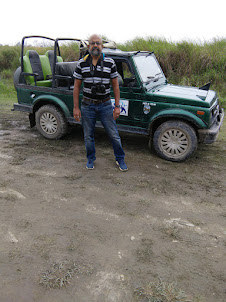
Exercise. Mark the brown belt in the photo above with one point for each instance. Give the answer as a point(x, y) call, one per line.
point(94, 101)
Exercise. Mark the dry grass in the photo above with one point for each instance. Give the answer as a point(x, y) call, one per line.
point(160, 292)
point(59, 274)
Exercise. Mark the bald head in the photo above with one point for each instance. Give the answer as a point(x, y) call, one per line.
point(95, 37)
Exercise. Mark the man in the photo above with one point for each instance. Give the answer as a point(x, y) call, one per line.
point(97, 71)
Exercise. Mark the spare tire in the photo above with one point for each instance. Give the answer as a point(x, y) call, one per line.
point(17, 78)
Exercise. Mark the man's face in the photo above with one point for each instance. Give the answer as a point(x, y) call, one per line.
point(95, 46)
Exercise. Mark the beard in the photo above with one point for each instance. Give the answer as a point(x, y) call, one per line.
point(95, 52)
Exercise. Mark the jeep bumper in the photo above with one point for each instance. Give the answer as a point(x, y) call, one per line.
point(209, 136)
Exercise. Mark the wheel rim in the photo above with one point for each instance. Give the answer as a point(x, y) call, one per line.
point(174, 143)
point(48, 123)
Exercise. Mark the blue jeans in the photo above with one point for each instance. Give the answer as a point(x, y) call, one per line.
point(104, 111)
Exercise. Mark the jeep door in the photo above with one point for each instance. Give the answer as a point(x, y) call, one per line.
point(132, 95)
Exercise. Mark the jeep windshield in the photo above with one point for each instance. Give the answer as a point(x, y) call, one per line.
point(149, 70)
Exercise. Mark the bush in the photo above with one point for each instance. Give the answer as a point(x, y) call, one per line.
point(9, 57)
point(70, 52)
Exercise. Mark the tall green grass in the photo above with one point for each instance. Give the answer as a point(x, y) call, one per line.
point(184, 63)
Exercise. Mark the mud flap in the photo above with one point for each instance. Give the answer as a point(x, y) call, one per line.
point(32, 120)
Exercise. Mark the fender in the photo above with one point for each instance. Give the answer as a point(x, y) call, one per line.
point(177, 113)
point(50, 99)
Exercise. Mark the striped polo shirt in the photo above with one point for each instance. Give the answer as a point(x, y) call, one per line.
point(83, 72)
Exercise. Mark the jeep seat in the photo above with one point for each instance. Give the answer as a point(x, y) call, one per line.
point(64, 73)
point(36, 69)
point(50, 56)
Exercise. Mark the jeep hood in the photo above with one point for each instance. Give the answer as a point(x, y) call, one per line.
point(183, 95)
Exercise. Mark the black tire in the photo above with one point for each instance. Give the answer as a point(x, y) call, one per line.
point(175, 141)
point(17, 77)
point(51, 122)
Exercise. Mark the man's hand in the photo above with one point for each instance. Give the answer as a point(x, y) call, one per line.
point(116, 113)
point(77, 114)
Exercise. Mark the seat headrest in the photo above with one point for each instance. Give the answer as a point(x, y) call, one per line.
point(50, 55)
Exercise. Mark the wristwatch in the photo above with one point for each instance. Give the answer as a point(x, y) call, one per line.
point(117, 106)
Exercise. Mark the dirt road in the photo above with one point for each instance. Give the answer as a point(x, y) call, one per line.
point(99, 235)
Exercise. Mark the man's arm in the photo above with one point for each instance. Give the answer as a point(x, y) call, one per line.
point(116, 90)
point(76, 110)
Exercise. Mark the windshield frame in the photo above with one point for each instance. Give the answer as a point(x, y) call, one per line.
point(156, 80)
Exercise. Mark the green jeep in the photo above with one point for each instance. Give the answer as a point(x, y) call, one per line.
point(176, 118)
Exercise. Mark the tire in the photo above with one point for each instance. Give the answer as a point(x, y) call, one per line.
point(17, 77)
point(51, 122)
point(175, 141)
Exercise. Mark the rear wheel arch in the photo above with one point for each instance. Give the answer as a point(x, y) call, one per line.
point(42, 101)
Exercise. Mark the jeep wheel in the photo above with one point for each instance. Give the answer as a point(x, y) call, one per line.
point(175, 141)
point(51, 122)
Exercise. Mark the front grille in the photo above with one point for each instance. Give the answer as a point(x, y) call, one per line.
point(215, 111)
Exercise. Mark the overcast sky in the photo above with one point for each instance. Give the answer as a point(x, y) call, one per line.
point(118, 20)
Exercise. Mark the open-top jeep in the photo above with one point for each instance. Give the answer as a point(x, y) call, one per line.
point(176, 118)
